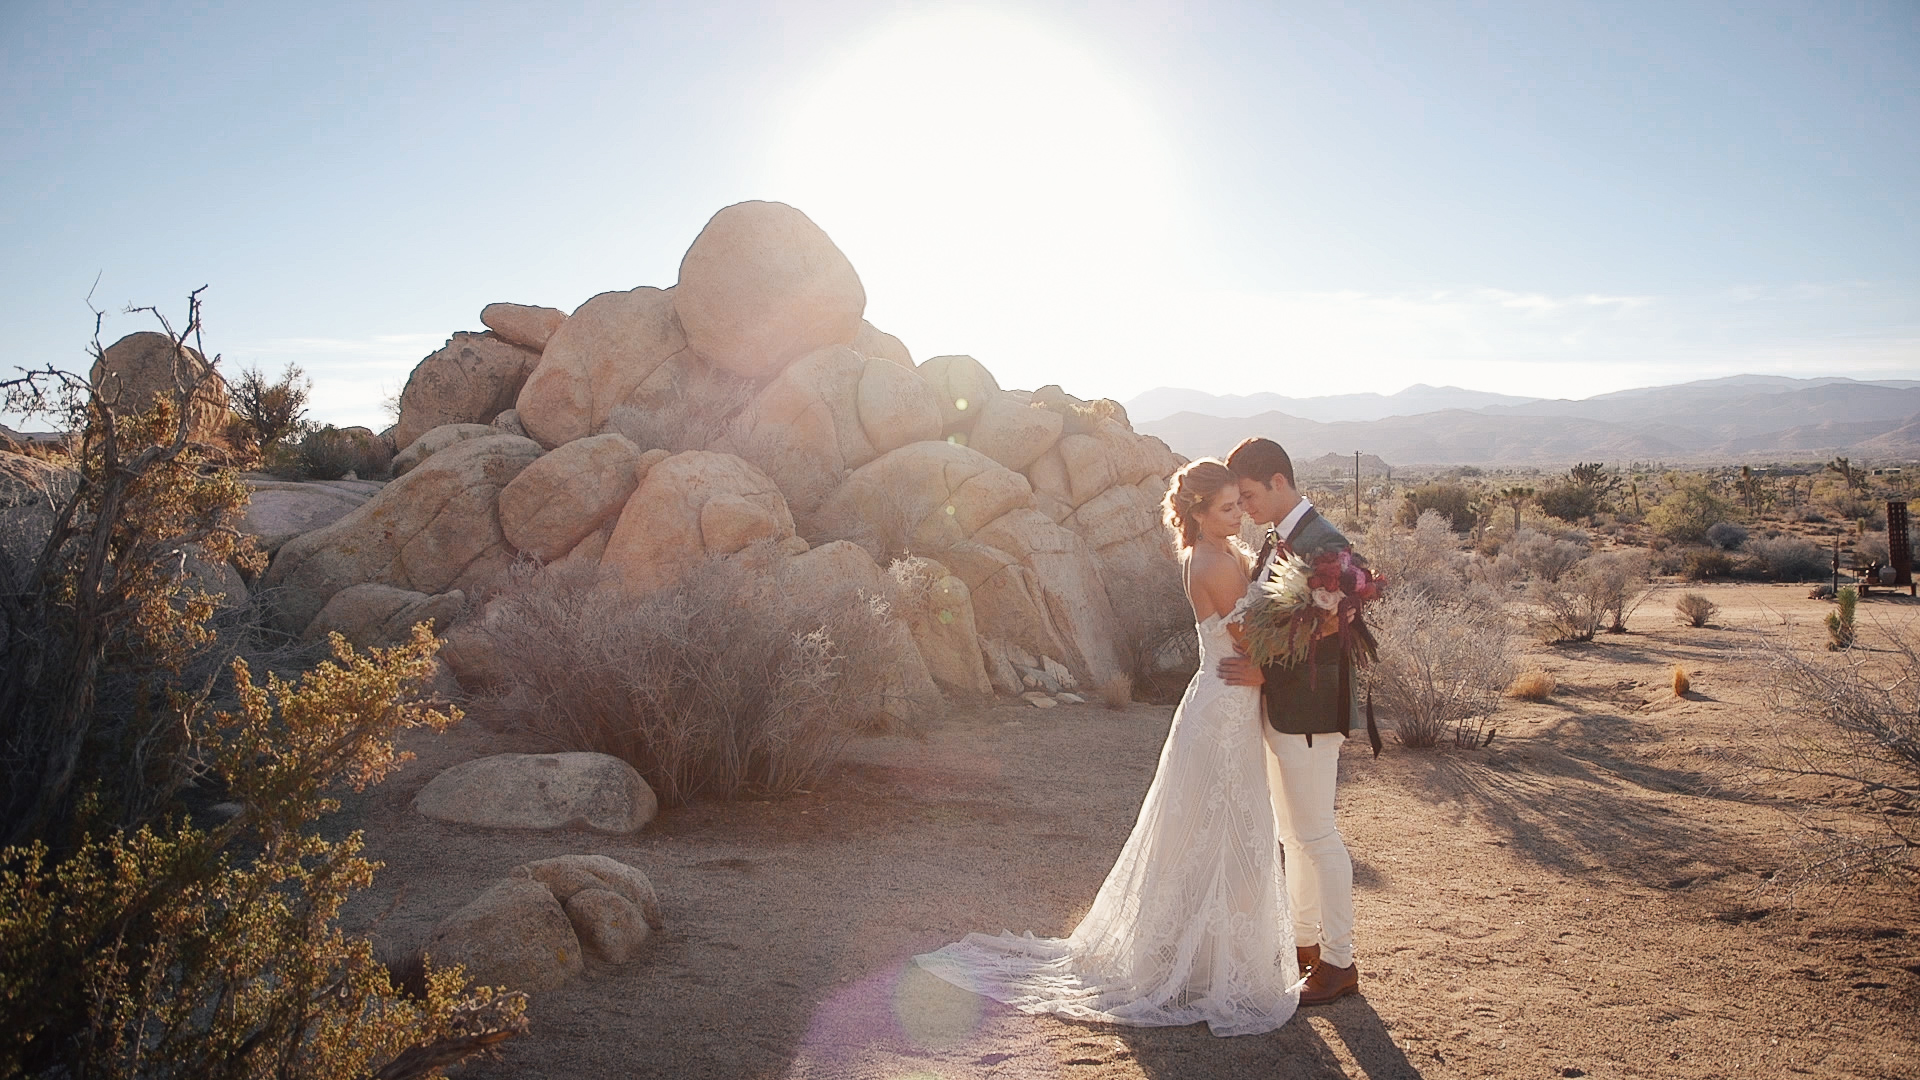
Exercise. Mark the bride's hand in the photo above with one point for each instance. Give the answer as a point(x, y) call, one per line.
point(1240, 671)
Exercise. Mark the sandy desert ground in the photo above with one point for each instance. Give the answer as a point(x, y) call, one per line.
point(1583, 897)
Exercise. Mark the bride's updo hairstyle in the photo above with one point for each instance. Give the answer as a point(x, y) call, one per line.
point(1188, 493)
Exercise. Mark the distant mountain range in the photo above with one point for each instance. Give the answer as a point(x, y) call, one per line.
point(1745, 417)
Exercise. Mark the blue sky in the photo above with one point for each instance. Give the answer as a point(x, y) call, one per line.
point(1541, 198)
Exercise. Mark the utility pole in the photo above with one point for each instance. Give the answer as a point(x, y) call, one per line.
point(1356, 484)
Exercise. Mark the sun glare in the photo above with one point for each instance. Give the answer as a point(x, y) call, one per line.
point(979, 158)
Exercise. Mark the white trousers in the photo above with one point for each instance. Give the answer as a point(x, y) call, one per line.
point(1301, 779)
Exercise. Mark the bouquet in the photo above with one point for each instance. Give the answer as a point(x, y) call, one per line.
point(1284, 617)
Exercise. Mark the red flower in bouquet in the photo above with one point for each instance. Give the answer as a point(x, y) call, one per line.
point(1301, 603)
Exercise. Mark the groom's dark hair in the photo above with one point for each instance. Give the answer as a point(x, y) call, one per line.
point(1258, 459)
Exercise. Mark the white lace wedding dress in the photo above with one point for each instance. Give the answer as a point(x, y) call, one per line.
point(1192, 921)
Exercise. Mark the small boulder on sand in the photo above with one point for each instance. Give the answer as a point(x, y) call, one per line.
point(596, 792)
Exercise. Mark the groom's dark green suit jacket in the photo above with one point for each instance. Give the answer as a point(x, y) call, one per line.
point(1315, 697)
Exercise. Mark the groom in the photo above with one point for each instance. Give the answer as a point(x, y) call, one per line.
point(1310, 708)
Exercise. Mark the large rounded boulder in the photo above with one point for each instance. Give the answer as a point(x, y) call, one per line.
point(763, 286)
point(132, 371)
point(962, 386)
point(690, 506)
point(435, 529)
point(559, 500)
point(470, 380)
point(803, 429)
point(597, 360)
point(897, 407)
point(523, 324)
point(927, 496)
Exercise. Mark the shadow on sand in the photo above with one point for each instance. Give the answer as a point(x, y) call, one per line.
point(1301, 1050)
point(1612, 818)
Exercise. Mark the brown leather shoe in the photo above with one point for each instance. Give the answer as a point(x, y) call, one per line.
point(1330, 983)
point(1308, 955)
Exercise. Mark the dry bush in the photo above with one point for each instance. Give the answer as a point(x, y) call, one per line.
point(1726, 535)
point(1681, 684)
point(1425, 559)
point(1156, 640)
point(1595, 594)
point(269, 411)
point(1539, 557)
point(1855, 720)
point(1115, 691)
point(1702, 563)
point(1442, 663)
point(1694, 609)
point(726, 682)
point(1789, 558)
point(1871, 547)
point(1454, 503)
point(1534, 685)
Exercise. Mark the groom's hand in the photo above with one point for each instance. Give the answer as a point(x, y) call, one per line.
point(1240, 671)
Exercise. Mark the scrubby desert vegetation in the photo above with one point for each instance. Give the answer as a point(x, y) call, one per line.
point(168, 904)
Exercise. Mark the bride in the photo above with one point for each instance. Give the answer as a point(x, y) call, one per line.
point(1191, 923)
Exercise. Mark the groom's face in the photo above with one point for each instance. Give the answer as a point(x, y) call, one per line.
point(1265, 503)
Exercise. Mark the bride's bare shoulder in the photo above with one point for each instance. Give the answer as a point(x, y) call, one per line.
point(1217, 580)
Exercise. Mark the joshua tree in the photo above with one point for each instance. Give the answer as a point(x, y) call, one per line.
point(1856, 478)
point(1514, 496)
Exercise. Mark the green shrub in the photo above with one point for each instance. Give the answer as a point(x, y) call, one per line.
point(1569, 502)
point(330, 453)
point(133, 943)
point(1701, 563)
point(1727, 536)
point(1841, 633)
point(1685, 515)
point(177, 951)
point(269, 411)
point(1451, 501)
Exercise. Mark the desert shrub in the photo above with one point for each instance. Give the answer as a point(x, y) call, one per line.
point(1115, 691)
point(1686, 514)
point(726, 682)
point(1596, 593)
point(1424, 559)
point(1534, 685)
point(1453, 502)
point(330, 453)
point(1841, 632)
point(1620, 580)
point(269, 410)
point(184, 952)
point(104, 624)
point(1569, 501)
point(1871, 548)
point(1726, 536)
point(1701, 563)
point(1854, 719)
point(136, 943)
point(1694, 609)
point(1155, 638)
point(1844, 505)
point(1443, 663)
point(1681, 684)
point(1789, 558)
point(1540, 557)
